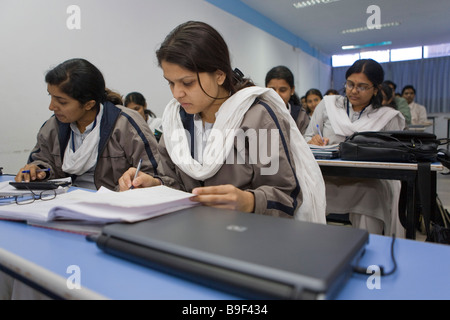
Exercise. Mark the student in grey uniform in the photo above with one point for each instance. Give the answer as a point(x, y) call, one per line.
point(88, 138)
point(281, 80)
point(371, 203)
point(232, 144)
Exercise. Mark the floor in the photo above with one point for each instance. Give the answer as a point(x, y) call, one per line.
point(443, 191)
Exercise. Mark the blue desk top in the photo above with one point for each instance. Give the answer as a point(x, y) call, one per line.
point(422, 271)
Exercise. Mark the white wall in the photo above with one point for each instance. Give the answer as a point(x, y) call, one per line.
point(120, 37)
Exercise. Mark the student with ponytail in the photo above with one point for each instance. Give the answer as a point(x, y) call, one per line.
point(232, 144)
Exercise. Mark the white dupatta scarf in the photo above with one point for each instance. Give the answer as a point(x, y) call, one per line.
point(85, 157)
point(342, 125)
point(218, 146)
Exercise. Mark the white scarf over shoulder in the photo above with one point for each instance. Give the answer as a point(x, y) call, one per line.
point(85, 157)
point(342, 125)
point(218, 146)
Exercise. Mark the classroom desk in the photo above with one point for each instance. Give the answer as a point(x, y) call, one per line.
point(406, 172)
point(421, 269)
point(448, 129)
point(433, 119)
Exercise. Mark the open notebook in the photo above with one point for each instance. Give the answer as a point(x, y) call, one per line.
point(103, 206)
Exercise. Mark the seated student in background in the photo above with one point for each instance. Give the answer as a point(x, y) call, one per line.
point(372, 204)
point(136, 101)
point(88, 137)
point(331, 92)
point(418, 112)
point(388, 96)
point(281, 80)
point(400, 102)
point(313, 97)
point(218, 130)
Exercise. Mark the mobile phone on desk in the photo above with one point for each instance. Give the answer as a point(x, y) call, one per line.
point(39, 185)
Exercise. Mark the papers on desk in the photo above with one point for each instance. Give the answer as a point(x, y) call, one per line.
point(103, 206)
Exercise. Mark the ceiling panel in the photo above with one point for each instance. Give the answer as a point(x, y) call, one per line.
point(421, 22)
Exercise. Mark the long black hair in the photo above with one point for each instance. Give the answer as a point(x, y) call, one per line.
point(79, 79)
point(139, 99)
point(374, 72)
point(282, 72)
point(198, 47)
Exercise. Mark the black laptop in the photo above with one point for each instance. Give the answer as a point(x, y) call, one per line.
point(251, 256)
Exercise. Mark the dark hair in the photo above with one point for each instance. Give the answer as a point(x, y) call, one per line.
point(282, 72)
point(310, 92)
point(79, 79)
point(408, 87)
point(198, 47)
point(139, 99)
point(390, 83)
point(313, 91)
point(389, 94)
point(332, 91)
point(374, 72)
point(114, 97)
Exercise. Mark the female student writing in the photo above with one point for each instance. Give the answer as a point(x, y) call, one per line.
point(372, 203)
point(211, 129)
point(88, 138)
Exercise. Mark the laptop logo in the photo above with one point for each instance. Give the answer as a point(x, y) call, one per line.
point(236, 228)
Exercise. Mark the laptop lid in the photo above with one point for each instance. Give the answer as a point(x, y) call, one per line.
point(252, 256)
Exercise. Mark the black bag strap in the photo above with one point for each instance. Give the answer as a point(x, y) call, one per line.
point(423, 182)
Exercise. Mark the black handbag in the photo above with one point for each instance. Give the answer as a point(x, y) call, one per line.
point(391, 146)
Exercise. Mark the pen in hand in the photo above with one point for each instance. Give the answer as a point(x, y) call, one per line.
point(320, 133)
point(137, 172)
point(38, 170)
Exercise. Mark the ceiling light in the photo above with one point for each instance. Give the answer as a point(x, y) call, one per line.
point(310, 3)
point(384, 25)
point(384, 43)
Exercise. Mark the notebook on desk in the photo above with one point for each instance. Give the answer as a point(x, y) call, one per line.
point(325, 152)
point(248, 255)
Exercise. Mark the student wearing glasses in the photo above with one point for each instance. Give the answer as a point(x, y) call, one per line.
point(218, 129)
point(372, 204)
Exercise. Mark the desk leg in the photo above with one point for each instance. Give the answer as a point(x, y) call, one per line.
point(448, 131)
point(411, 210)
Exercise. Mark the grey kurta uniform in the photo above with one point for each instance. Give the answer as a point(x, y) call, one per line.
point(369, 197)
point(125, 138)
point(277, 195)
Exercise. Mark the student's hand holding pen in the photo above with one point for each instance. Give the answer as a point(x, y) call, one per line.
point(31, 172)
point(319, 141)
point(142, 180)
